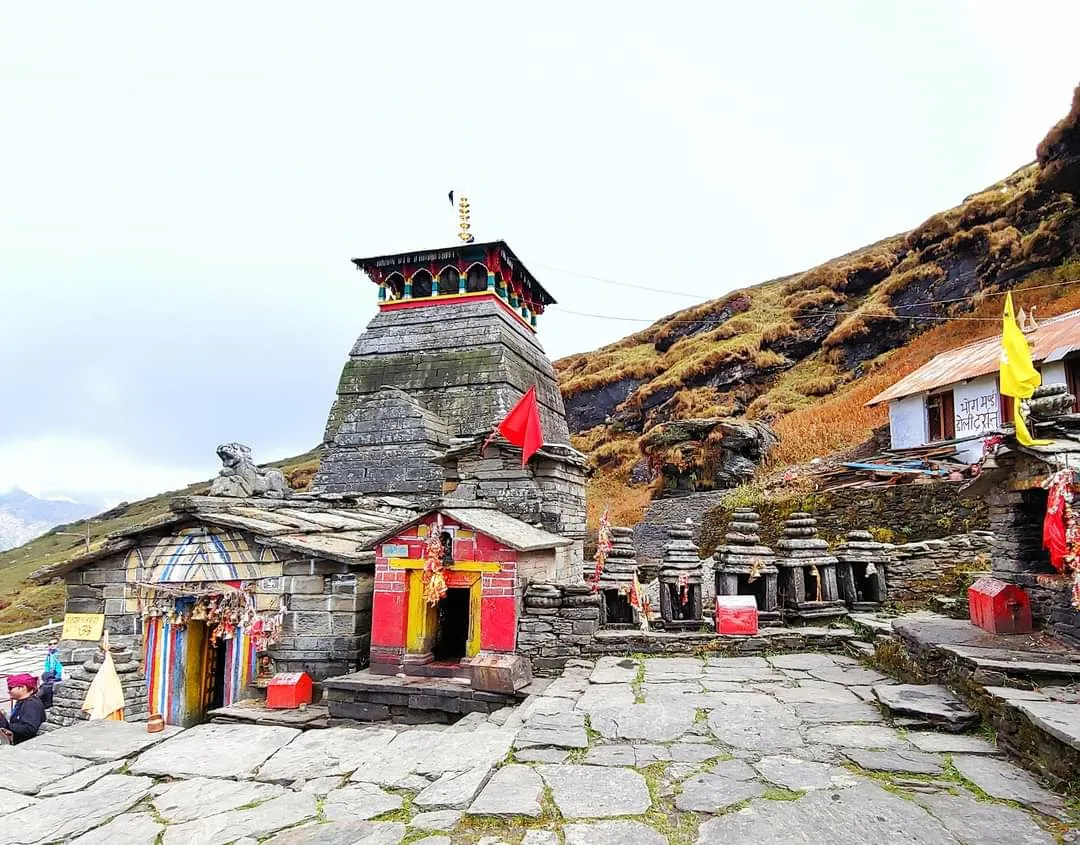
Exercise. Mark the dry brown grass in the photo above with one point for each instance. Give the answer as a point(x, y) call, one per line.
point(779, 330)
point(858, 324)
point(813, 300)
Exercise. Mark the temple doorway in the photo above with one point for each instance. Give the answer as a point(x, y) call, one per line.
point(452, 626)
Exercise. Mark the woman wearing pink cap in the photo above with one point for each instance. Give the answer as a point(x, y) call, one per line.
point(27, 712)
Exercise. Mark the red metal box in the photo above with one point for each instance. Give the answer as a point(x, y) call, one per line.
point(288, 690)
point(736, 615)
point(999, 607)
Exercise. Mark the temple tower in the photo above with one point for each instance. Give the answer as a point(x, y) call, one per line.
point(451, 350)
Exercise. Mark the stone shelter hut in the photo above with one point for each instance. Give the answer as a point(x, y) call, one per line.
point(223, 590)
point(1018, 483)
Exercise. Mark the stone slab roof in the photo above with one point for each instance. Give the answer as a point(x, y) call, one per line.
point(335, 529)
point(505, 529)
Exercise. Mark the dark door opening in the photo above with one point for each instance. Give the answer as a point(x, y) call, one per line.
point(756, 588)
point(617, 609)
point(452, 628)
point(217, 694)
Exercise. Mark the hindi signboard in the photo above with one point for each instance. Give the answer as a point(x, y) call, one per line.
point(83, 626)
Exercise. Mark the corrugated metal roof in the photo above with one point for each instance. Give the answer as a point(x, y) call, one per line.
point(508, 530)
point(1052, 340)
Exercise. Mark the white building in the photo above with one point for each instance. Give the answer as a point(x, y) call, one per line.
point(955, 396)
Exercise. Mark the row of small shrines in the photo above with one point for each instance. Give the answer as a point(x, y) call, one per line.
point(803, 580)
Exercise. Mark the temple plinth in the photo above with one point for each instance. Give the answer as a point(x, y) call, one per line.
point(808, 587)
point(861, 571)
point(680, 581)
point(744, 567)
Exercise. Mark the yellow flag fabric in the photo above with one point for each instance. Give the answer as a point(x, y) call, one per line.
point(1018, 375)
point(105, 696)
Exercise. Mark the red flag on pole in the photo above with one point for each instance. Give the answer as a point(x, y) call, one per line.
point(522, 426)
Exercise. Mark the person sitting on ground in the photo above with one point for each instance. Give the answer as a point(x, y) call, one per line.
point(27, 711)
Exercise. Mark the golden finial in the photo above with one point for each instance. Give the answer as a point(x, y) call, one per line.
point(465, 236)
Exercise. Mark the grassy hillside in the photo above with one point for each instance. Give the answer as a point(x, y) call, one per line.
point(23, 605)
point(806, 352)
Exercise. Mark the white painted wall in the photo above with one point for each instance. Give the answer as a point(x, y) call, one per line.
point(1054, 373)
point(976, 406)
point(907, 421)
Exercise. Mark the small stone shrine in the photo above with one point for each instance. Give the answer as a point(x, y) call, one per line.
point(71, 692)
point(744, 567)
point(680, 581)
point(808, 586)
point(617, 580)
point(861, 571)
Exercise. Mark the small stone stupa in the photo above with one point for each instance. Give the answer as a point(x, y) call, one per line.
point(617, 578)
point(861, 571)
point(744, 567)
point(680, 581)
point(808, 587)
point(70, 693)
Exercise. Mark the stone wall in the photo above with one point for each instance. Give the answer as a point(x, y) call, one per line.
point(465, 363)
point(918, 571)
point(893, 514)
point(1019, 558)
point(31, 636)
point(328, 620)
point(650, 534)
point(327, 628)
point(557, 624)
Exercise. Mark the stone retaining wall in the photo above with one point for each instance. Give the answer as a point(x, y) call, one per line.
point(557, 624)
point(31, 636)
point(918, 571)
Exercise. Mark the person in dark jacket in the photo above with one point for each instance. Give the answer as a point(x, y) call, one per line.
point(27, 711)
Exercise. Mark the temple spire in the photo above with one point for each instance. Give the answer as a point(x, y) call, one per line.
point(465, 236)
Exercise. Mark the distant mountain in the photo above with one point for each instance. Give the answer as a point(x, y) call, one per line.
point(24, 517)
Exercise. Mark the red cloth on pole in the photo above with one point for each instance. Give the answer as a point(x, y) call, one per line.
point(1054, 522)
point(522, 426)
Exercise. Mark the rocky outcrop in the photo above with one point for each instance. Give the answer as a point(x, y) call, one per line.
point(705, 454)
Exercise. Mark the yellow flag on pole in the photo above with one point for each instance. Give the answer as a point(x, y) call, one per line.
point(1018, 375)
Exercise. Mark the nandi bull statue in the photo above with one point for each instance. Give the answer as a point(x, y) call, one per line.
point(240, 478)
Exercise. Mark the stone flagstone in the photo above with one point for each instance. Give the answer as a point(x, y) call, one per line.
point(360, 802)
point(857, 736)
point(614, 670)
point(128, 829)
point(333, 751)
point(653, 722)
point(982, 823)
point(951, 743)
point(540, 837)
point(64, 816)
point(820, 693)
point(605, 696)
point(23, 768)
point(860, 815)
point(756, 722)
point(541, 755)
point(452, 791)
point(433, 753)
point(1011, 783)
point(512, 791)
point(586, 792)
point(436, 820)
point(805, 662)
point(612, 833)
point(560, 730)
point(341, 833)
point(936, 704)
point(916, 762)
point(10, 802)
point(186, 800)
point(80, 779)
point(256, 822)
point(214, 750)
point(848, 675)
point(835, 711)
point(102, 740)
point(803, 775)
point(730, 782)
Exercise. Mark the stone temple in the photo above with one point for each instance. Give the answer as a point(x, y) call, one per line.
point(452, 349)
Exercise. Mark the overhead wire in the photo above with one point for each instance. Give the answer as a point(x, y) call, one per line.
point(815, 314)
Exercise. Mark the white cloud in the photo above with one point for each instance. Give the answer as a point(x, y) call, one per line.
point(87, 469)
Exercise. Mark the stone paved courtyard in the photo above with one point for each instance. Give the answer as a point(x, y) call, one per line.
point(790, 748)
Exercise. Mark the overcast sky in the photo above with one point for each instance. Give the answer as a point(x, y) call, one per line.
point(182, 185)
